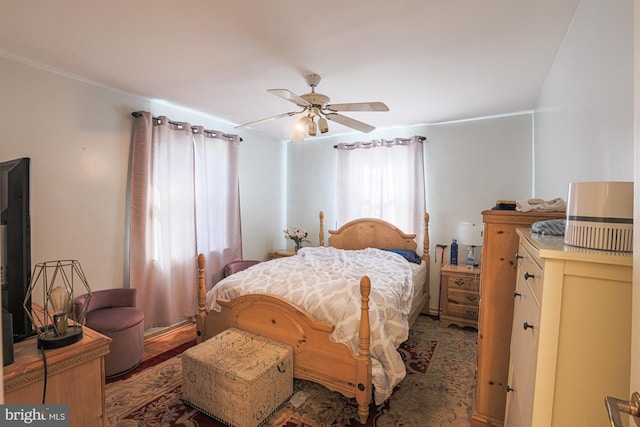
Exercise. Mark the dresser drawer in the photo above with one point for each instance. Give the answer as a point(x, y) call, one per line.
point(524, 350)
point(526, 320)
point(529, 270)
point(524, 341)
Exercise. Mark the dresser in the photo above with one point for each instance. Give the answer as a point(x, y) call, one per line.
point(460, 296)
point(497, 283)
point(571, 333)
point(75, 376)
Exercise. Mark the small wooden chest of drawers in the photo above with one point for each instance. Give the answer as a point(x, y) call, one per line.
point(460, 296)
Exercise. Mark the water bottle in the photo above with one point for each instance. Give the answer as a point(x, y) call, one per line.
point(470, 258)
point(453, 259)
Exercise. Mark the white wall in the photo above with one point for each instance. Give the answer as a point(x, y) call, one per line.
point(78, 137)
point(468, 166)
point(584, 117)
point(635, 326)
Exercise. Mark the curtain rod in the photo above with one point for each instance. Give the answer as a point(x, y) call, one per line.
point(421, 138)
point(138, 114)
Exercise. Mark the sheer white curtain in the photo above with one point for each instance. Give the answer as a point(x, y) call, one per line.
point(218, 229)
point(383, 179)
point(176, 193)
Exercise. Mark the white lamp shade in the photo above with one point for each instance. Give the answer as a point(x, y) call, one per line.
point(471, 234)
point(303, 124)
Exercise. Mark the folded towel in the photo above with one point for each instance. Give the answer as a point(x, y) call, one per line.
point(553, 205)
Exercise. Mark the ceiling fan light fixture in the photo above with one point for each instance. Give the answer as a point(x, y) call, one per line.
point(318, 105)
point(298, 136)
point(302, 124)
point(323, 125)
point(313, 129)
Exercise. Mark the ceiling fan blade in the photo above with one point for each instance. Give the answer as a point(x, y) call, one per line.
point(290, 96)
point(358, 106)
point(279, 116)
point(348, 121)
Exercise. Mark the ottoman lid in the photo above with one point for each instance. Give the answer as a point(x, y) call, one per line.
point(240, 353)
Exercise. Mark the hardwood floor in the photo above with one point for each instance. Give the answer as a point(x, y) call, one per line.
point(159, 342)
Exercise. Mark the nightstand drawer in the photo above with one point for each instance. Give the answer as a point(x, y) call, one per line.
point(459, 296)
point(467, 283)
point(469, 312)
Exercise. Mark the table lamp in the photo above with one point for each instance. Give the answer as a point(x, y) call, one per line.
point(56, 323)
point(471, 235)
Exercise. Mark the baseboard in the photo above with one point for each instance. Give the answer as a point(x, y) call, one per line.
point(156, 332)
point(432, 312)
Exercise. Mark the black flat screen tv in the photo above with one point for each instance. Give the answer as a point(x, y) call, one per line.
point(15, 238)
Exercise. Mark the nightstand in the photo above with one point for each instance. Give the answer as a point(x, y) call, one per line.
point(280, 254)
point(460, 296)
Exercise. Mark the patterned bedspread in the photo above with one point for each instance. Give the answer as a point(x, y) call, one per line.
point(325, 282)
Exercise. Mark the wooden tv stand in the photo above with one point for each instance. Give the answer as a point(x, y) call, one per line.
point(75, 376)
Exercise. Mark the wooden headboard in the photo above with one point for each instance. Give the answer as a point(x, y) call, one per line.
point(371, 233)
point(374, 233)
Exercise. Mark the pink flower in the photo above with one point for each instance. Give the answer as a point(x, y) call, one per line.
point(297, 235)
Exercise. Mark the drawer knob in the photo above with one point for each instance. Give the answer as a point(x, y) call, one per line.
point(516, 294)
point(615, 407)
point(528, 276)
point(459, 282)
point(527, 325)
point(518, 256)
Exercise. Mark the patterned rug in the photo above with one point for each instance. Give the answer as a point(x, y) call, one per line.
point(437, 391)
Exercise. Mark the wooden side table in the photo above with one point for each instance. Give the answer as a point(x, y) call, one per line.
point(280, 254)
point(75, 376)
point(460, 296)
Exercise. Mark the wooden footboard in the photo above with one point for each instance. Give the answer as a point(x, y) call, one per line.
point(316, 357)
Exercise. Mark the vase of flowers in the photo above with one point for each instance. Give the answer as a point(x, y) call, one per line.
point(297, 235)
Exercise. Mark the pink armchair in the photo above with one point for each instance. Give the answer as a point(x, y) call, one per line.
point(113, 313)
point(235, 266)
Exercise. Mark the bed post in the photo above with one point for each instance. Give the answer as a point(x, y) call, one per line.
point(202, 299)
point(321, 232)
point(363, 370)
point(426, 254)
point(426, 257)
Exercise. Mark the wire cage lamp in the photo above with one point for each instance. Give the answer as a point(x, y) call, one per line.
point(57, 322)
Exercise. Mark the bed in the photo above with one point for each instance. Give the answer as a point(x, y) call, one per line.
point(341, 366)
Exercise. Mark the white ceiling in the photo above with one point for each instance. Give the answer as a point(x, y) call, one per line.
point(429, 60)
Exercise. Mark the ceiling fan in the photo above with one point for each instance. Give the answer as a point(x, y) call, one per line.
point(315, 106)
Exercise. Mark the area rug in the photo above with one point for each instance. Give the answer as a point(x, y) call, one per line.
point(437, 391)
